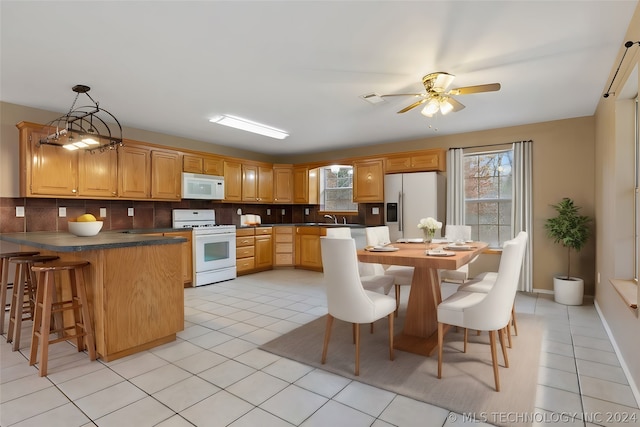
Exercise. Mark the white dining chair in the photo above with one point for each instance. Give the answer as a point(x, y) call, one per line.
point(485, 311)
point(403, 275)
point(453, 233)
point(371, 275)
point(347, 300)
point(483, 283)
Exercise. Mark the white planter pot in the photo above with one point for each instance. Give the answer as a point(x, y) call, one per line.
point(568, 292)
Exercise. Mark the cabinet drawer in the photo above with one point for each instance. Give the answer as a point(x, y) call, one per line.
point(245, 264)
point(284, 259)
point(245, 251)
point(283, 230)
point(241, 232)
point(245, 241)
point(284, 248)
point(263, 231)
point(284, 238)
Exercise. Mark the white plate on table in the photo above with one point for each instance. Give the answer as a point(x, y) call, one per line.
point(381, 249)
point(439, 253)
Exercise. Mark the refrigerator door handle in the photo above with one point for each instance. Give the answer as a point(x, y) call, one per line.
point(400, 213)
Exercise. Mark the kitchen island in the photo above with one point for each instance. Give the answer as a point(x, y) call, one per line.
point(134, 285)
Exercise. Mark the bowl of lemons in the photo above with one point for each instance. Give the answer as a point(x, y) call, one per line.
point(85, 225)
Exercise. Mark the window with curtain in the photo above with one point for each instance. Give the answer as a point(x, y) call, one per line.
point(336, 189)
point(488, 183)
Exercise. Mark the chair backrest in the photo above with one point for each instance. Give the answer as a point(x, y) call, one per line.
point(339, 232)
point(346, 298)
point(494, 311)
point(377, 235)
point(457, 232)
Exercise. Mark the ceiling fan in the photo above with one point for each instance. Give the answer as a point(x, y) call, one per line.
point(438, 98)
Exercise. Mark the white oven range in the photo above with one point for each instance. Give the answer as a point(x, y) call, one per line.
point(214, 246)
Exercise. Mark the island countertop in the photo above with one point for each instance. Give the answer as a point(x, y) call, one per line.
point(67, 242)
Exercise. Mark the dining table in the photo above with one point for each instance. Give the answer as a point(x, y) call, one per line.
point(419, 332)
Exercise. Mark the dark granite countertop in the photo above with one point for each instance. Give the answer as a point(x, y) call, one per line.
point(67, 242)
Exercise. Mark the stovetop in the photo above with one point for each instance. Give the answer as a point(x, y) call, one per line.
point(200, 220)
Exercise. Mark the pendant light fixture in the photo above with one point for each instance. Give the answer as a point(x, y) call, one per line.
point(88, 127)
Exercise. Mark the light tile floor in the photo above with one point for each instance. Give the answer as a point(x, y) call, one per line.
point(215, 375)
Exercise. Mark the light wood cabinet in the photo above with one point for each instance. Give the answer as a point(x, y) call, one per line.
point(187, 255)
point(283, 248)
point(245, 250)
point(283, 183)
point(263, 248)
point(257, 183)
point(306, 185)
point(98, 174)
point(166, 174)
point(54, 170)
point(417, 161)
point(232, 181)
point(254, 251)
point(134, 169)
point(368, 181)
point(308, 254)
point(208, 165)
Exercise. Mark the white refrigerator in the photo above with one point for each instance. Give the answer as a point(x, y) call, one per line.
point(408, 197)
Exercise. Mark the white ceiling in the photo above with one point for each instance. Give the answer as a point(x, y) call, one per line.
point(302, 66)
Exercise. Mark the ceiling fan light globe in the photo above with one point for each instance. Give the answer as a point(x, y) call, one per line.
point(445, 107)
point(431, 108)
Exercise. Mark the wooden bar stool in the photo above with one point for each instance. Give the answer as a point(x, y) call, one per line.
point(46, 305)
point(24, 285)
point(4, 281)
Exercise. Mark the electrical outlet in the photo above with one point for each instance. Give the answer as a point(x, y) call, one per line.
point(19, 211)
point(130, 211)
point(283, 212)
point(268, 212)
point(306, 211)
point(375, 211)
point(62, 212)
point(103, 212)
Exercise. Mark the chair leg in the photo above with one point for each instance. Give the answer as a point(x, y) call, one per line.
point(371, 327)
point(327, 335)
point(357, 331)
point(508, 330)
point(494, 358)
point(466, 338)
point(397, 299)
point(440, 342)
point(391, 316)
point(501, 334)
point(353, 332)
point(513, 319)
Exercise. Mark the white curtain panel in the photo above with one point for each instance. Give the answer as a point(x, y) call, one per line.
point(455, 186)
point(522, 208)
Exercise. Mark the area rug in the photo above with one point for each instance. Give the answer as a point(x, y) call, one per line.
point(467, 385)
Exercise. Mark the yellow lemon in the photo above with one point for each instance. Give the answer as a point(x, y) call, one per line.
point(86, 218)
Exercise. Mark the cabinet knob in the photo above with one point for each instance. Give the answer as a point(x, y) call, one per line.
point(74, 190)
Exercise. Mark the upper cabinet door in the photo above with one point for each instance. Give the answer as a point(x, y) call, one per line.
point(166, 174)
point(134, 169)
point(98, 174)
point(265, 184)
point(368, 181)
point(249, 183)
point(283, 184)
point(232, 181)
point(54, 170)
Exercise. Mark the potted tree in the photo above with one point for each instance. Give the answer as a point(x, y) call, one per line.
point(571, 230)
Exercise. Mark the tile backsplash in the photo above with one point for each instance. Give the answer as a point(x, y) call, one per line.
point(41, 214)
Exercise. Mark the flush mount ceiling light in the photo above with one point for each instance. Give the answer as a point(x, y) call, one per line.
point(249, 126)
point(88, 127)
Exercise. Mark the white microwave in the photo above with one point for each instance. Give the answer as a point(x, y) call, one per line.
point(199, 186)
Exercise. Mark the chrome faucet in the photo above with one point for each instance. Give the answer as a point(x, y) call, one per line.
point(333, 217)
point(344, 219)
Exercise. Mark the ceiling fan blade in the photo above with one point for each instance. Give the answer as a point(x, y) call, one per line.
point(456, 105)
point(412, 106)
point(491, 87)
